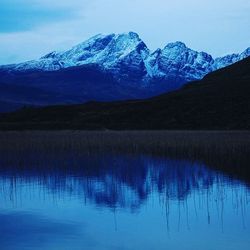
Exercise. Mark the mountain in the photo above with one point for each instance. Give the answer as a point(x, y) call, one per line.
point(106, 68)
point(219, 101)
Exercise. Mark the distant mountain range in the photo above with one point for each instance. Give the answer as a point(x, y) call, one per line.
point(105, 68)
point(219, 101)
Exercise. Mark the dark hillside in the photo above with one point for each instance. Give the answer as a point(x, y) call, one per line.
point(220, 101)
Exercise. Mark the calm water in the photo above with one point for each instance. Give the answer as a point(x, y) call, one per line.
point(116, 201)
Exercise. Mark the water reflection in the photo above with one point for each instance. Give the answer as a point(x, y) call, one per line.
point(119, 201)
point(72, 195)
point(22, 230)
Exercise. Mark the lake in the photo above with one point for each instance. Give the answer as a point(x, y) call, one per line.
point(124, 190)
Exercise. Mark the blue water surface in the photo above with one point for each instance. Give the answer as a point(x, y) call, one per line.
point(125, 202)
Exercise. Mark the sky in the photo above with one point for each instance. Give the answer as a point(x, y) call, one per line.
point(32, 28)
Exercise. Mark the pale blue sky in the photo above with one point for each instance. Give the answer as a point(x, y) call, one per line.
point(31, 28)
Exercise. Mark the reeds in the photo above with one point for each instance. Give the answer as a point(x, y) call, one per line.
point(226, 151)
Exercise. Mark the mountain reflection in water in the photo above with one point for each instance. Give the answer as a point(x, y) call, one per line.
point(118, 200)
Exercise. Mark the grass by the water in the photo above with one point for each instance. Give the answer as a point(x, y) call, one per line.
point(227, 151)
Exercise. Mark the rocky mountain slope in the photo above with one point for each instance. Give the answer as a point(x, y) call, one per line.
point(127, 56)
point(119, 63)
point(219, 101)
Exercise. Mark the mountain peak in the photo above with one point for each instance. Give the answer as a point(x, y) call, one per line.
point(245, 53)
point(99, 40)
point(107, 51)
point(131, 35)
point(113, 42)
point(177, 44)
point(127, 57)
point(131, 38)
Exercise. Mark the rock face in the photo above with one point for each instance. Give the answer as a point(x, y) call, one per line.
point(127, 57)
point(123, 57)
point(120, 54)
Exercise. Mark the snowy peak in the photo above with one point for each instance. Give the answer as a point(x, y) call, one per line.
point(128, 59)
point(227, 60)
point(177, 45)
point(115, 44)
point(245, 54)
point(106, 51)
point(180, 62)
point(94, 44)
point(124, 44)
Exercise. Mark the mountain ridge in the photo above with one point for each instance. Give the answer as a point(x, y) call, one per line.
point(218, 102)
point(106, 68)
point(109, 51)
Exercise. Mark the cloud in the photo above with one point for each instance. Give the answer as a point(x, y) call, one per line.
point(31, 28)
point(23, 15)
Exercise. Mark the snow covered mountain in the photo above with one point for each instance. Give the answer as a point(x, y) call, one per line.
point(106, 68)
point(112, 52)
point(127, 57)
